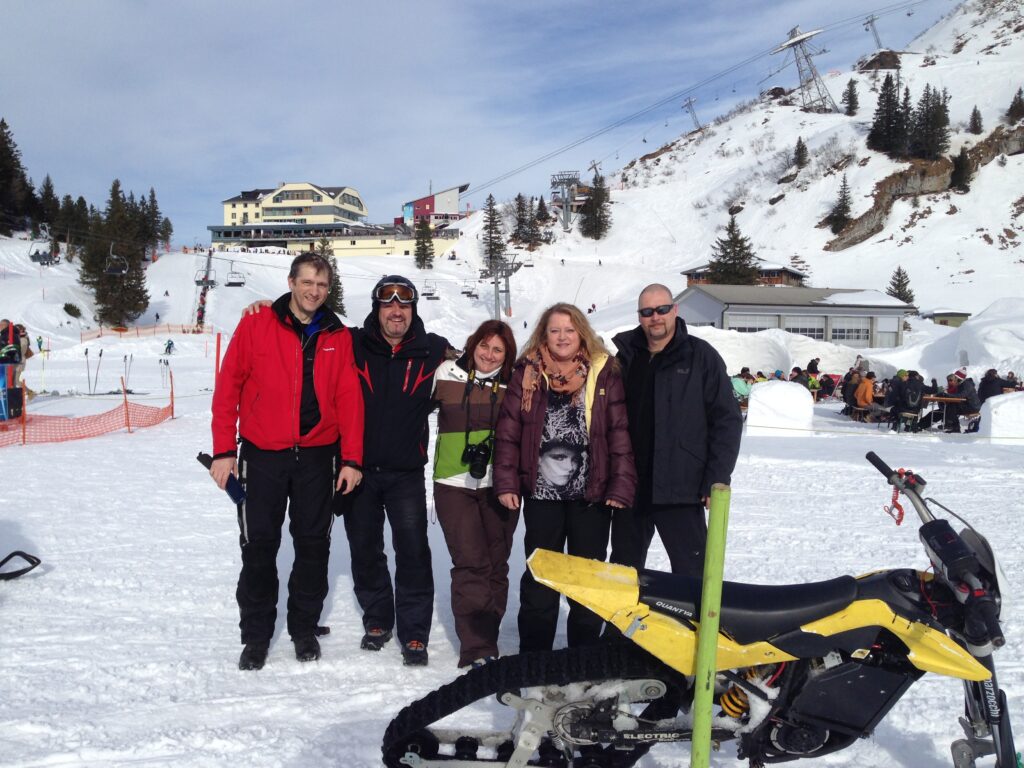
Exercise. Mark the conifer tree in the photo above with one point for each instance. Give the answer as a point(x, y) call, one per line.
point(929, 136)
point(522, 213)
point(902, 128)
point(49, 206)
point(801, 157)
point(1013, 114)
point(733, 261)
point(494, 237)
point(974, 125)
point(839, 216)
point(595, 214)
point(16, 194)
point(883, 131)
point(899, 286)
point(542, 214)
point(960, 179)
point(120, 298)
point(424, 253)
point(532, 226)
point(335, 292)
point(850, 98)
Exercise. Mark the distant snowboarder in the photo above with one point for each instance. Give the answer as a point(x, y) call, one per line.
point(169, 347)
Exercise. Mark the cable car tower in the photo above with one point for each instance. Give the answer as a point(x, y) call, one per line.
point(566, 182)
point(813, 93)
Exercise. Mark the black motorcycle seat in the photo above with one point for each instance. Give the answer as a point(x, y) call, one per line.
point(750, 612)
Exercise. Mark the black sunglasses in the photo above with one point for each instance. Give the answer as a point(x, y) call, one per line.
point(664, 309)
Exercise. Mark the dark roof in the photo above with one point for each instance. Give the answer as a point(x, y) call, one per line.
point(792, 296)
point(255, 194)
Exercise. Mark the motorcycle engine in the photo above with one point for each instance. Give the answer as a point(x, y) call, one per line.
point(798, 738)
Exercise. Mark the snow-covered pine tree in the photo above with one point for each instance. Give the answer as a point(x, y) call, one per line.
point(424, 253)
point(899, 286)
point(882, 136)
point(522, 212)
point(850, 98)
point(532, 226)
point(929, 135)
point(494, 238)
point(335, 293)
point(1013, 114)
point(49, 206)
point(595, 214)
point(800, 154)
point(542, 214)
point(974, 124)
point(839, 216)
point(732, 258)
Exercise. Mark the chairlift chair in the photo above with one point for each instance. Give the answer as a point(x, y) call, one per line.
point(206, 279)
point(117, 266)
point(234, 279)
point(466, 289)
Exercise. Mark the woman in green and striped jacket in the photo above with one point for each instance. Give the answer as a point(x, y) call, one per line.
point(477, 529)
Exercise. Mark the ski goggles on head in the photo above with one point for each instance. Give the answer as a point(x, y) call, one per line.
point(389, 292)
point(661, 309)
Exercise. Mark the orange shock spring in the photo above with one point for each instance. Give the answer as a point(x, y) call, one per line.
point(734, 701)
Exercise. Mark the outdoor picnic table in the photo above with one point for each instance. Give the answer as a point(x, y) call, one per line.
point(943, 399)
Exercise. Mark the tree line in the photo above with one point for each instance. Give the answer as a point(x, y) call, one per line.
point(113, 244)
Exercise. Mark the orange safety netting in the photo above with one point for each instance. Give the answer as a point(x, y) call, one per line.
point(143, 330)
point(37, 428)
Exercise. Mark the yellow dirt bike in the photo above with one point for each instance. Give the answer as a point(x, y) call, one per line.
point(803, 670)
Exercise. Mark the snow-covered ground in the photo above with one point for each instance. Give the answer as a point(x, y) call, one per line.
point(121, 649)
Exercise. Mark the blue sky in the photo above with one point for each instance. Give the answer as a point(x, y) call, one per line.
point(201, 100)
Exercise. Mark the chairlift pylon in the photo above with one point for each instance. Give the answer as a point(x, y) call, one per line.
point(117, 266)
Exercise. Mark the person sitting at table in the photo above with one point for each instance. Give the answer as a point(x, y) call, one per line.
point(865, 397)
point(1014, 382)
point(991, 385)
point(797, 376)
point(827, 386)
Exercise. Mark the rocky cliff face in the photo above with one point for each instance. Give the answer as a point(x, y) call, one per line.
point(921, 178)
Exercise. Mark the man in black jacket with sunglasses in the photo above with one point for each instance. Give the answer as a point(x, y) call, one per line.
point(396, 359)
point(685, 426)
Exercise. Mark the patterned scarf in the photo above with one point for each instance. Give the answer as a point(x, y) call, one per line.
point(566, 378)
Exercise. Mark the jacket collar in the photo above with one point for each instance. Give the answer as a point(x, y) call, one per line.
point(415, 339)
point(628, 343)
point(324, 318)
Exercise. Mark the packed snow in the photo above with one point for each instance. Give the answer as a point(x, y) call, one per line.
point(121, 649)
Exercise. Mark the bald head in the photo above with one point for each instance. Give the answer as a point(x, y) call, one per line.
point(657, 312)
point(656, 292)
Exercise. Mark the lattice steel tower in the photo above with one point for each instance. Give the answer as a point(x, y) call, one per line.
point(813, 93)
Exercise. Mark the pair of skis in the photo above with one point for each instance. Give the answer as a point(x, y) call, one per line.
point(91, 381)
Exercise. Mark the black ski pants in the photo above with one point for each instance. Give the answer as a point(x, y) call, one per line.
point(300, 481)
point(401, 497)
point(578, 528)
point(682, 527)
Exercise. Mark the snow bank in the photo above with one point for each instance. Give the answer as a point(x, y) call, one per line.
point(1002, 419)
point(994, 339)
point(779, 408)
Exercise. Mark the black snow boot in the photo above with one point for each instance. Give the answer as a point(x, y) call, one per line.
point(307, 648)
point(375, 639)
point(254, 656)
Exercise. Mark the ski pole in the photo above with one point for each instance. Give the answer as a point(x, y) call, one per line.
point(88, 372)
point(131, 359)
point(96, 381)
point(707, 632)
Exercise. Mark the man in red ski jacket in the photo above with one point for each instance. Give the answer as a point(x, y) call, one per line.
point(289, 383)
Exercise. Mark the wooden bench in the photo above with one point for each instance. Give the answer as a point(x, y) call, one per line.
point(860, 414)
point(972, 420)
point(906, 421)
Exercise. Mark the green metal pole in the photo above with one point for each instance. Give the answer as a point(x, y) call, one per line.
point(707, 633)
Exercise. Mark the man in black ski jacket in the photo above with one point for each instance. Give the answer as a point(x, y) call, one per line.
point(685, 425)
point(396, 359)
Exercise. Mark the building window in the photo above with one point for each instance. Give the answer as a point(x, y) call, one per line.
point(383, 242)
point(234, 215)
point(851, 331)
point(232, 205)
point(812, 327)
point(405, 253)
point(751, 323)
point(885, 339)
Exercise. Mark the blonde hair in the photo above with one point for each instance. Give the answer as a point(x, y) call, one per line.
point(590, 342)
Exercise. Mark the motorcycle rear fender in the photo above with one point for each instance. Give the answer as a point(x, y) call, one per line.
point(612, 592)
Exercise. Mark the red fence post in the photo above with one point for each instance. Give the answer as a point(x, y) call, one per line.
point(216, 369)
point(127, 420)
point(172, 393)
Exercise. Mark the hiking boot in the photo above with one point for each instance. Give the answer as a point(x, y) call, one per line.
point(307, 648)
point(254, 656)
point(414, 654)
point(375, 639)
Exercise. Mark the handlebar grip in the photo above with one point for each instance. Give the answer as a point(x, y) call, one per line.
point(880, 465)
point(989, 615)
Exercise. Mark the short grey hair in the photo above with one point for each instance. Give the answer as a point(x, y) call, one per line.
point(653, 287)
